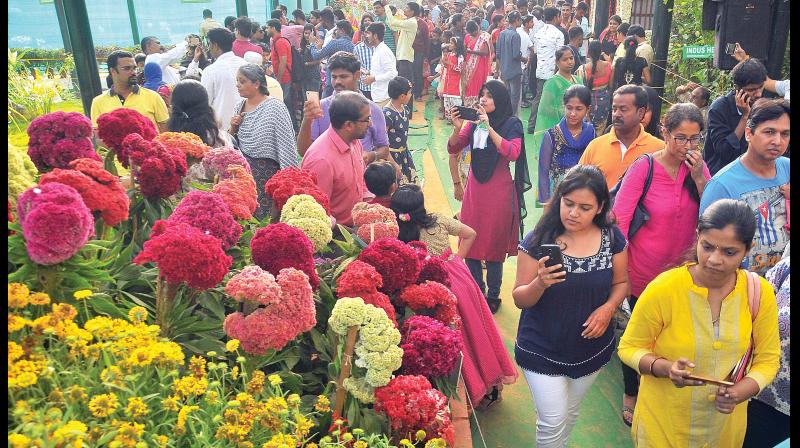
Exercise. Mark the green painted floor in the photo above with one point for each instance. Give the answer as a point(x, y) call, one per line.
point(512, 422)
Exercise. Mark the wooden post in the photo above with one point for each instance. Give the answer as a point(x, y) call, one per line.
point(347, 364)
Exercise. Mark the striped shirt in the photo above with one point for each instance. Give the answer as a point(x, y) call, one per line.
point(364, 54)
point(388, 35)
point(266, 133)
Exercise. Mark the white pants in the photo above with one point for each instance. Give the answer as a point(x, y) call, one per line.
point(558, 400)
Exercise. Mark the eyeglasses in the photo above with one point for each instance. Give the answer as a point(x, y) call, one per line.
point(693, 141)
point(365, 120)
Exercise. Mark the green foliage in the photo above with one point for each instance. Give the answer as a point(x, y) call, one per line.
point(686, 31)
point(30, 93)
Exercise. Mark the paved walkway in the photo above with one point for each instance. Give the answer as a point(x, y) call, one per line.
point(511, 423)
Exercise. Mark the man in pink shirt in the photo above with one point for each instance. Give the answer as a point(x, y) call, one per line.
point(242, 44)
point(293, 33)
point(336, 157)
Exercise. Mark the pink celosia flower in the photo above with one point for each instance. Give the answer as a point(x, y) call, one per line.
point(57, 138)
point(254, 284)
point(158, 169)
point(55, 222)
point(113, 127)
point(374, 221)
point(271, 328)
point(217, 161)
point(429, 347)
point(207, 212)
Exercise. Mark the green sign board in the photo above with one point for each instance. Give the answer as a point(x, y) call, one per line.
point(698, 52)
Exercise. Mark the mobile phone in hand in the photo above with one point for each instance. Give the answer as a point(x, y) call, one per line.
point(467, 113)
point(312, 96)
point(708, 380)
point(730, 48)
point(549, 250)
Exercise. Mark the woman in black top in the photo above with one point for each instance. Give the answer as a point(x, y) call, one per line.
point(631, 69)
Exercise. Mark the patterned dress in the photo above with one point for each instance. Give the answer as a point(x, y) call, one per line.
point(777, 393)
point(397, 129)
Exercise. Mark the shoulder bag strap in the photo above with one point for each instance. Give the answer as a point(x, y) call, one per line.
point(753, 293)
point(649, 178)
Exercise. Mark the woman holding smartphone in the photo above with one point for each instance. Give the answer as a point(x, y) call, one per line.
point(564, 337)
point(672, 201)
point(696, 320)
point(493, 203)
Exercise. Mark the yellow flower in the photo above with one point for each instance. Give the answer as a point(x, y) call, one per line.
point(346, 437)
point(103, 405)
point(235, 373)
point(74, 431)
point(162, 441)
point(136, 408)
point(112, 375)
point(39, 298)
point(137, 314)
point(16, 323)
point(198, 366)
point(64, 311)
point(18, 295)
point(24, 373)
point(256, 383)
point(140, 357)
point(170, 403)
point(82, 294)
point(436, 443)
point(180, 426)
point(323, 404)
point(232, 345)
point(19, 441)
point(189, 386)
point(420, 436)
point(15, 351)
point(128, 434)
point(360, 444)
point(406, 443)
point(281, 441)
point(294, 401)
point(302, 426)
point(76, 394)
point(275, 380)
point(212, 397)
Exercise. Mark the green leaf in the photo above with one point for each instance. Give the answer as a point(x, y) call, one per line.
point(103, 305)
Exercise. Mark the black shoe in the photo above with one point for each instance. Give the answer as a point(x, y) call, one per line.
point(494, 305)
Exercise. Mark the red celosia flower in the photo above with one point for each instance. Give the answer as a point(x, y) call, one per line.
point(411, 404)
point(360, 279)
point(429, 347)
point(186, 254)
point(114, 126)
point(434, 299)
point(207, 212)
point(291, 181)
point(158, 169)
point(280, 322)
point(432, 267)
point(58, 138)
point(189, 144)
point(238, 190)
point(101, 191)
point(55, 222)
point(394, 260)
point(279, 246)
point(217, 161)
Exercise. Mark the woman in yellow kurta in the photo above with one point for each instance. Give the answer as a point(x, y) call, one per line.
point(696, 318)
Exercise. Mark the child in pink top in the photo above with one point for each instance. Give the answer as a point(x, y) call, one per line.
point(452, 60)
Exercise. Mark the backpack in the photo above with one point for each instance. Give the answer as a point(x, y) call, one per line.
point(297, 70)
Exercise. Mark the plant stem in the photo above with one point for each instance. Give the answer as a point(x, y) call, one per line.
point(165, 297)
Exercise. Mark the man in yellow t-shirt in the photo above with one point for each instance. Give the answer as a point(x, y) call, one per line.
point(614, 152)
point(125, 93)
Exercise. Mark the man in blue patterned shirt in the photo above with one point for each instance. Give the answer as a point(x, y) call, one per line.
point(342, 41)
point(364, 54)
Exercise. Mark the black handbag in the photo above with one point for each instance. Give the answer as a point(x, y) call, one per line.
point(640, 214)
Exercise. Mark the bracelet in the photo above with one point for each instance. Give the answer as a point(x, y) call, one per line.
point(652, 364)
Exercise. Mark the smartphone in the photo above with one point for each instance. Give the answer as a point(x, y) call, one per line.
point(709, 380)
point(730, 48)
point(312, 96)
point(467, 113)
point(549, 250)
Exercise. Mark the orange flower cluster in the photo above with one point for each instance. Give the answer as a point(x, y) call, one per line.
point(238, 190)
point(188, 143)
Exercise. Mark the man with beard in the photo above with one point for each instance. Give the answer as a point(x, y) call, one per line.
point(335, 157)
point(124, 92)
point(727, 116)
point(345, 72)
point(614, 152)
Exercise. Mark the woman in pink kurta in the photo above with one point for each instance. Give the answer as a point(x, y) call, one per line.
point(492, 202)
point(679, 177)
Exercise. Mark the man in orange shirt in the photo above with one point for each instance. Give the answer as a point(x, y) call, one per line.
point(614, 152)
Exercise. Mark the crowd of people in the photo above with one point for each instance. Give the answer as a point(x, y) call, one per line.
point(649, 225)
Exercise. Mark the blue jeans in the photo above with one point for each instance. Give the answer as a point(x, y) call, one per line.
point(494, 276)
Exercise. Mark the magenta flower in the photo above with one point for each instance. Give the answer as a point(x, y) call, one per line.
point(58, 138)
